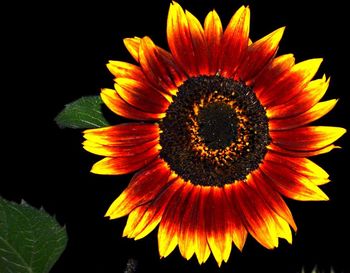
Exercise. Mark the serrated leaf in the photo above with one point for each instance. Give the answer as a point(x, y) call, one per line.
point(31, 241)
point(84, 113)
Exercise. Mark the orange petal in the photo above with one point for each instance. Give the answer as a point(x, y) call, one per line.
point(302, 102)
point(235, 41)
point(259, 54)
point(180, 41)
point(271, 197)
point(115, 103)
point(316, 112)
point(290, 84)
point(213, 35)
point(141, 95)
point(257, 217)
point(159, 66)
point(143, 219)
point(132, 45)
point(119, 151)
point(216, 225)
point(291, 184)
point(126, 134)
point(307, 138)
point(272, 73)
point(124, 165)
point(298, 154)
point(143, 187)
point(234, 218)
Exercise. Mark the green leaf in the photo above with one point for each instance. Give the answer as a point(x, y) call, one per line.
point(31, 241)
point(84, 113)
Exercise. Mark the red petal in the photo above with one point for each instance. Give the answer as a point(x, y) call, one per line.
point(259, 54)
point(180, 41)
point(159, 66)
point(141, 95)
point(316, 112)
point(217, 226)
point(126, 134)
point(271, 197)
point(235, 42)
point(124, 165)
point(143, 219)
point(307, 138)
point(234, 219)
point(143, 187)
point(298, 154)
point(257, 217)
point(213, 35)
point(114, 102)
point(132, 45)
point(290, 83)
point(302, 102)
point(169, 228)
point(272, 73)
point(291, 184)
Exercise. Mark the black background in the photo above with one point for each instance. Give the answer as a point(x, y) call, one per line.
point(57, 53)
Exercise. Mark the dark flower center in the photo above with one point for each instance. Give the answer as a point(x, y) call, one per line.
point(217, 125)
point(215, 132)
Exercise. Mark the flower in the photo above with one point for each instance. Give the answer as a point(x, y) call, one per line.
point(221, 135)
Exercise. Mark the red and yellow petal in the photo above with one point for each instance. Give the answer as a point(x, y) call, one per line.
point(272, 72)
point(119, 106)
point(126, 134)
point(257, 217)
point(201, 246)
point(143, 219)
point(124, 165)
point(234, 219)
point(235, 42)
point(259, 54)
point(316, 112)
point(119, 151)
point(143, 187)
point(169, 228)
point(132, 45)
point(159, 67)
point(125, 70)
point(141, 95)
point(291, 183)
point(271, 197)
point(187, 238)
point(298, 154)
point(280, 90)
point(179, 39)
point(217, 227)
point(303, 101)
point(307, 138)
point(304, 166)
point(213, 35)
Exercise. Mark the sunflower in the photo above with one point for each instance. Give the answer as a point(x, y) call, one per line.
point(221, 136)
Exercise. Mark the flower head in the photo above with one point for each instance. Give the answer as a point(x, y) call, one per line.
point(221, 134)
